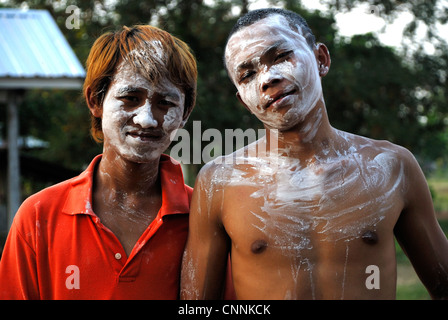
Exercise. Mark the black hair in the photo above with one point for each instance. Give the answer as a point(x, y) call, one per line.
point(294, 20)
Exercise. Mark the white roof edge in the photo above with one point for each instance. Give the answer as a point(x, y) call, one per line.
point(33, 47)
point(41, 83)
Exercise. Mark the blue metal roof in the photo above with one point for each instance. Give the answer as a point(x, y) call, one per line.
point(34, 52)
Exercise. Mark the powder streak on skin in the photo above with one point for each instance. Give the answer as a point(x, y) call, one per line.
point(345, 272)
point(314, 190)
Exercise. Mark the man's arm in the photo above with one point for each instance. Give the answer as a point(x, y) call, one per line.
point(205, 257)
point(419, 233)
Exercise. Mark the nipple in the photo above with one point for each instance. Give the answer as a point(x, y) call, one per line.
point(370, 237)
point(258, 246)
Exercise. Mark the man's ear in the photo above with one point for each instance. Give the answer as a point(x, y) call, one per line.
point(242, 102)
point(92, 103)
point(323, 59)
point(184, 122)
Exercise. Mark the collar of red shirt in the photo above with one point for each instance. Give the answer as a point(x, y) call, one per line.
point(175, 197)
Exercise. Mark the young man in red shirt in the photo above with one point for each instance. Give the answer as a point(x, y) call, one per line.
point(118, 230)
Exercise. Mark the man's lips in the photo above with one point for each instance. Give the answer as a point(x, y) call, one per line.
point(278, 97)
point(145, 135)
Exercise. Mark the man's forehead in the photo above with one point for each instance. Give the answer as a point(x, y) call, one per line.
point(149, 59)
point(127, 80)
point(126, 73)
point(272, 25)
point(267, 32)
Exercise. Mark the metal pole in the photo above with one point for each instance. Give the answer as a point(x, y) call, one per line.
point(13, 156)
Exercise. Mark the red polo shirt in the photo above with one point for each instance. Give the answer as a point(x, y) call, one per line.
point(57, 247)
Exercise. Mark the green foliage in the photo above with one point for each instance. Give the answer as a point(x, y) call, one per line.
point(439, 190)
point(368, 86)
point(62, 119)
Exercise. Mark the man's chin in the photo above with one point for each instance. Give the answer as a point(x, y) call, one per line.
point(143, 157)
point(282, 123)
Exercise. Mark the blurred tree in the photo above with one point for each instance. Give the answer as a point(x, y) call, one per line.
point(410, 102)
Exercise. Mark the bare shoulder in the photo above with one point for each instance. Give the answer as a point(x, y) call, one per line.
point(415, 185)
point(210, 183)
point(230, 169)
point(392, 159)
point(379, 148)
point(214, 173)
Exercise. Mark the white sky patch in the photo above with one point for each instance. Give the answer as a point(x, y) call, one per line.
point(365, 18)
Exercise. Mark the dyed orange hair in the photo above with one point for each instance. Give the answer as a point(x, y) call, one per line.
point(152, 52)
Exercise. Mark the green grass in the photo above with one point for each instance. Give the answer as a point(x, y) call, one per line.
point(409, 286)
point(439, 191)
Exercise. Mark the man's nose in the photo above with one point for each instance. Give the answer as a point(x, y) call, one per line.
point(270, 80)
point(144, 116)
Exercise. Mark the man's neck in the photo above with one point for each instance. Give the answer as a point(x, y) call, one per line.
point(307, 140)
point(126, 196)
point(123, 176)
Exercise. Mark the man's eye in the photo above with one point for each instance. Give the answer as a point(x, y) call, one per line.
point(129, 98)
point(164, 102)
point(246, 75)
point(283, 55)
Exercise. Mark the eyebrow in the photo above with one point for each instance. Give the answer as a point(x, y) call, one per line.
point(128, 89)
point(131, 89)
point(270, 50)
point(245, 65)
point(171, 95)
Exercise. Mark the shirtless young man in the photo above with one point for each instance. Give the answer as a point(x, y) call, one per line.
point(118, 230)
point(314, 217)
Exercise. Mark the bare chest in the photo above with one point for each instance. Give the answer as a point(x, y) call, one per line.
point(295, 208)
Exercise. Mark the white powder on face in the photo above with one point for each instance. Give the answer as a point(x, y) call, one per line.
point(117, 120)
point(172, 120)
point(144, 117)
point(300, 71)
